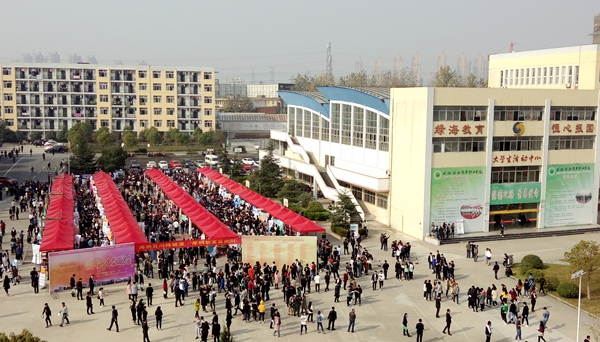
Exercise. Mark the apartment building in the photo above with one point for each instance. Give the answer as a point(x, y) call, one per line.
point(48, 97)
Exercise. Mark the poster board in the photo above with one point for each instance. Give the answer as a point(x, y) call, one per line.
point(108, 264)
point(281, 249)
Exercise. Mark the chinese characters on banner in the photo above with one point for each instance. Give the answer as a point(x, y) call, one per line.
point(570, 127)
point(441, 129)
point(515, 193)
point(513, 158)
point(186, 244)
point(569, 193)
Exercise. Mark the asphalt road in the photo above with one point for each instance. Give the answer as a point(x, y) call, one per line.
point(21, 169)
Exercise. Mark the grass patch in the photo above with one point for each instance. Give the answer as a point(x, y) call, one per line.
point(563, 273)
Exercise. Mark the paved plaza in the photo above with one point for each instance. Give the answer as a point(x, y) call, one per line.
point(379, 317)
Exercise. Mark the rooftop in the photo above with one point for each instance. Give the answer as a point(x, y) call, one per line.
point(258, 117)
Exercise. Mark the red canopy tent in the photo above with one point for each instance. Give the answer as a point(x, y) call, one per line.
point(59, 229)
point(123, 225)
point(297, 222)
point(212, 227)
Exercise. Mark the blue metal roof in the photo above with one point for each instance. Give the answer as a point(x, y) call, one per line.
point(305, 99)
point(367, 99)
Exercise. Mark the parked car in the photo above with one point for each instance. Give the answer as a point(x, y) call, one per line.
point(188, 163)
point(163, 165)
point(57, 148)
point(248, 161)
point(200, 163)
point(174, 164)
point(134, 164)
point(239, 149)
point(155, 154)
point(150, 165)
point(8, 181)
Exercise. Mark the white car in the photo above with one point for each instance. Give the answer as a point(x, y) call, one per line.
point(200, 163)
point(248, 161)
point(50, 143)
point(163, 165)
point(150, 165)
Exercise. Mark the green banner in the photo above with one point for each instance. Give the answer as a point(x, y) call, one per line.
point(569, 193)
point(515, 193)
point(457, 193)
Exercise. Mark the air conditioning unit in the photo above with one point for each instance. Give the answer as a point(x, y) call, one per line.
point(568, 85)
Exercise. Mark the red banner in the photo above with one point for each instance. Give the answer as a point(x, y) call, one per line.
point(186, 244)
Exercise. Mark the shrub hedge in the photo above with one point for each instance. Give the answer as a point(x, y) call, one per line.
point(552, 283)
point(568, 290)
point(531, 261)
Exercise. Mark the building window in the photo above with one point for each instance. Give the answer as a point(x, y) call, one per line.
point(170, 99)
point(459, 113)
point(369, 197)
point(208, 75)
point(170, 123)
point(299, 122)
point(208, 88)
point(103, 85)
point(157, 123)
point(208, 112)
point(510, 80)
point(522, 78)
point(170, 87)
point(571, 142)
point(518, 113)
point(573, 113)
point(556, 74)
point(142, 73)
point(545, 75)
point(384, 133)
point(143, 86)
point(335, 123)
point(6, 71)
point(527, 76)
point(357, 129)
point(371, 128)
point(517, 144)
point(346, 124)
point(170, 74)
point(577, 75)
point(143, 111)
point(156, 99)
point(143, 100)
point(155, 74)
point(208, 99)
point(539, 76)
point(103, 98)
point(170, 111)
point(103, 123)
point(515, 174)
point(7, 84)
point(104, 110)
point(315, 126)
point(501, 78)
point(156, 86)
point(208, 123)
point(357, 192)
point(292, 120)
point(103, 73)
point(157, 111)
point(382, 201)
point(144, 123)
point(8, 97)
point(532, 75)
point(563, 74)
point(306, 124)
point(9, 122)
point(324, 129)
point(8, 110)
point(462, 144)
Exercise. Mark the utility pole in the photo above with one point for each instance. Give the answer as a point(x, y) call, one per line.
point(329, 61)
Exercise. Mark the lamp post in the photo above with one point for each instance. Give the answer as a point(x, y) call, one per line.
point(579, 274)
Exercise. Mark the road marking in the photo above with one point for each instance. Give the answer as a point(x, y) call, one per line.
point(13, 166)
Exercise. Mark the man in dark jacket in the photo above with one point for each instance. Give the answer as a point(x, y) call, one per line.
point(79, 289)
point(91, 284)
point(113, 319)
point(149, 293)
point(420, 328)
point(331, 317)
point(448, 322)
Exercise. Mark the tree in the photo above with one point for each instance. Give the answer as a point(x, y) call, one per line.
point(24, 336)
point(8, 135)
point(344, 211)
point(51, 135)
point(308, 82)
point(35, 135)
point(153, 136)
point(292, 190)
point(268, 179)
point(79, 137)
point(104, 137)
point(113, 158)
point(197, 134)
point(225, 162)
point(585, 256)
point(236, 166)
point(61, 136)
point(447, 77)
point(129, 137)
point(238, 105)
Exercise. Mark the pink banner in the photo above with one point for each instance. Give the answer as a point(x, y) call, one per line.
point(110, 264)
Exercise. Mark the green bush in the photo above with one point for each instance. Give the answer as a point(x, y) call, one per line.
point(529, 262)
point(568, 290)
point(318, 215)
point(294, 207)
point(315, 206)
point(341, 231)
point(225, 336)
point(24, 336)
point(552, 283)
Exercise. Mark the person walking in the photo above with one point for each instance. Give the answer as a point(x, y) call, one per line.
point(101, 296)
point(525, 314)
point(149, 294)
point(216, 331)
point(79, 289)
point(320, 318)
point(303, 322)
point(89, 304)
point(438, 306)
point(35, 281)
point(114, 319)
point(317, 281)
point(420, 327)
point(91, 284)
point(276, 324)
point(381, 278)
point(518, 328)
point(546, 317)
point(332, 316)
point(448, 322)
point(6, 284)
point(158, 314)
point(145, 330)
point(64, 312)
point(405, 325)
point(351, 320)
point(48, 313)
point(496, 268)
point(541, 330)
point(488, 331)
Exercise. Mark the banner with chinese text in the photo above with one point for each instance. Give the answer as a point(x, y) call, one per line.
point(569, 192)
point(514, 193)
point(281, 249)
point(458, 193)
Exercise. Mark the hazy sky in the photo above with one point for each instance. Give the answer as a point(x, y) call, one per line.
point(237, 37)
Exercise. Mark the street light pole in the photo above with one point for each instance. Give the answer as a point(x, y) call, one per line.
point(578, 274)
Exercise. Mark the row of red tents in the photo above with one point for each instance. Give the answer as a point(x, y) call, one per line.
point(59, 230)
point(297, 222)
